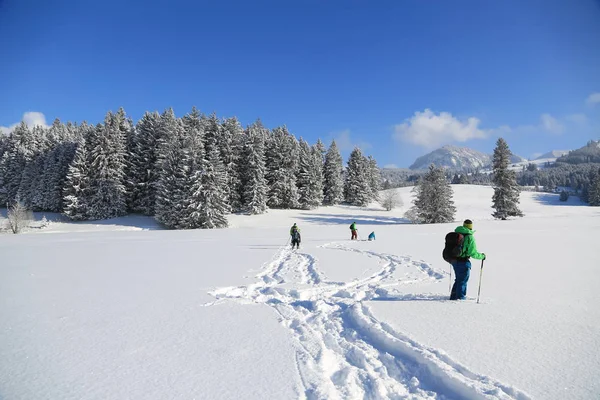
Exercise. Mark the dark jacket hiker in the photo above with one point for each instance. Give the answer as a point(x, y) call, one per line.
point(295, 234)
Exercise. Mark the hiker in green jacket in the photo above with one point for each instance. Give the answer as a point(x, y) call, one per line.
point(462, 265)
point(354, 231)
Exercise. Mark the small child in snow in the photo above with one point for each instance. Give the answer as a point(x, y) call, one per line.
point(371, 236)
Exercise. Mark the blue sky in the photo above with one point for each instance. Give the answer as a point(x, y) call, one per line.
point(398, 78)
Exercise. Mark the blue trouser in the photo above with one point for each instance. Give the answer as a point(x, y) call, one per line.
point(462, 270)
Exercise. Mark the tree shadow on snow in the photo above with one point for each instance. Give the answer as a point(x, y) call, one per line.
point(553, 199)
point(336, 219)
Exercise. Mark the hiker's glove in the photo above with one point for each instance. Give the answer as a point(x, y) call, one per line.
point(483, 255)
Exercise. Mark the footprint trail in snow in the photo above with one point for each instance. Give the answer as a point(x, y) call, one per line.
point(342, 350)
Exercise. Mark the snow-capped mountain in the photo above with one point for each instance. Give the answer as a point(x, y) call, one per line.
point(453, 157)
point(553, 154)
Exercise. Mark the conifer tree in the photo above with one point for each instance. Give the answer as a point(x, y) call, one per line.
point(76, 190)
point(593, 193)
point(195, 166)
point(172, 175)
point(144, 171)
point(318, 159)
point(282, 167)
point(213, 205)
point(107, 169)
point(374, 178)
point(254, 183)
point(128, 133)
point(60, 149)
point(231, 148)
point(309, 190)
point(34, 170)
point(332, 175)
point(213, 133)
point(433, 202)
point(19, 154)
point(506, 190)
point(358, 185)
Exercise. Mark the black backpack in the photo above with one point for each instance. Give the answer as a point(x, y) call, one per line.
point(453, 247)
point(295, 233)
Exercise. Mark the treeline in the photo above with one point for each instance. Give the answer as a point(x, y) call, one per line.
point(187, 172)
point(579, 177)
point(590, 153)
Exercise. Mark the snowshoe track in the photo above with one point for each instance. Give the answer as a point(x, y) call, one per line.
point(343, 351)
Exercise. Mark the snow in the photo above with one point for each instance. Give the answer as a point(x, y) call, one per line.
point(122, 309)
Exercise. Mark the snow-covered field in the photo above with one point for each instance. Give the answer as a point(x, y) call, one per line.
point(124, 310)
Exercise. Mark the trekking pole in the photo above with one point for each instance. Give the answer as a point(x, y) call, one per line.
point(450, 281)
point(480, 273)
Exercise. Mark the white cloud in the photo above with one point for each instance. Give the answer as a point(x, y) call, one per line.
point(346, 143)
point(551, 124)
point(593, 99)
point(428, 129)
point(31, 118)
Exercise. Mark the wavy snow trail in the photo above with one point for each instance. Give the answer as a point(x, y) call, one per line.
point(343, 351)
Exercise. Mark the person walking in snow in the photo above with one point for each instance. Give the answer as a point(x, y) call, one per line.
point(295, 234)
point(462, 265)
point(354, 231)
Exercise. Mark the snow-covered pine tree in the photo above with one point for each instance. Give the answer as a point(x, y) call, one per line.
point(60, 145)
point(144, 170)
point(107, 169)
point(506, 190)
point(275, 172)
point(171, 190)
point(18, 154)
point(309, 194)
point(332, 174)
point(291, 164)
point(318, 157)
point(374, 178)
point(433, 202)
point(192, 216)
point(358, 185)
point(213, 132)
point(3, 168)
point(129, 133)
point(76, 188)
point(213, 206)
point(282, 167)
point(593, 192)
point(34, 169)
point(231, 148)
point(253, 170)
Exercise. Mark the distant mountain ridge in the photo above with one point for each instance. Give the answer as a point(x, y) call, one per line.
point(553, 154)
point(453, 157)
point(461, 158)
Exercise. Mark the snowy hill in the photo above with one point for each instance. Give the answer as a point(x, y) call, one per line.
point(590, 153)
point(517, 159)
point(554, 154)
point(453, 157)
point(234, 313)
